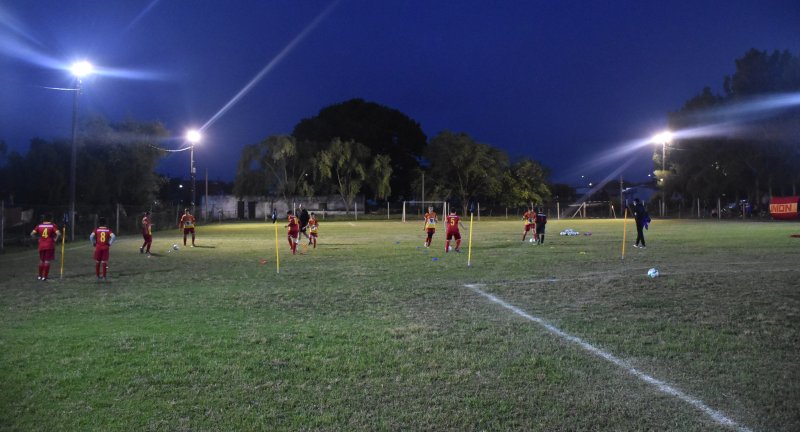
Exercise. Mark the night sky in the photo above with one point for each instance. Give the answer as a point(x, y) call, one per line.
point(559, 81)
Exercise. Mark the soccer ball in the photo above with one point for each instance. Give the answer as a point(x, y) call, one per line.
point(175, 247)
point(450, 248)
point(531, 240)
point(653, 273)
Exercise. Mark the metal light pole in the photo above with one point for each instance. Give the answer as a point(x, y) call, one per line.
point(79, 70)
point(194, 137)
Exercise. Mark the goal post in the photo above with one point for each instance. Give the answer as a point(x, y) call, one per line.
point(420, 207)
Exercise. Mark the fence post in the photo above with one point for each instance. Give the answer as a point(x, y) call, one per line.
point(355, 210)
point(387, 210)
point(479, 212)
point(404, 212)
point(719, 209)
point(558, 210)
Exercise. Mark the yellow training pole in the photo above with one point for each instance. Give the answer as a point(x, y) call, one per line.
point(62, 253)
point(277, 252)
point(469, 245)
point(624, 231)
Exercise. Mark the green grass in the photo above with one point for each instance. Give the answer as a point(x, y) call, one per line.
point(369, 332)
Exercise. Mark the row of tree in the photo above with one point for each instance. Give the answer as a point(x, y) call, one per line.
point(359, 147)
point(116, 163)
point(742, 144)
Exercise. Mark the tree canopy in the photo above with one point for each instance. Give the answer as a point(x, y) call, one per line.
point(380, 129)
point(750, 156)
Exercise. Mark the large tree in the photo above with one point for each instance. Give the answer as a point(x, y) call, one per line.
point(381, 129)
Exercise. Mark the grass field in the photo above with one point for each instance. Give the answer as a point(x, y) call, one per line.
point(371, 331)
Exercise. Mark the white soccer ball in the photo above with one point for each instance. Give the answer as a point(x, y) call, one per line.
point(175, 247)
point(531, 240)
point(450, 248)
point(653, 273)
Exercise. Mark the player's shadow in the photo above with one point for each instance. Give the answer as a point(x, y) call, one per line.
point(205, 247)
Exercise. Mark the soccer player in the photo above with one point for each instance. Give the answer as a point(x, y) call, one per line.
point(147, 233)
point(452, 221)
point(642, 219)
point(293, 234)
point(430, 226)
point(101, 239)
point(303, 220)
point(187, 222)
point(48, 234)
point(529, 219)
point(313, 229)
point(541, 221)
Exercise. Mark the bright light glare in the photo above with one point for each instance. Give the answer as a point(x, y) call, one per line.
point(82, 68)
point(193, 136)
point(663, 137)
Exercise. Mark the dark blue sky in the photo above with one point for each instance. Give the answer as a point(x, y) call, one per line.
point(559, 81)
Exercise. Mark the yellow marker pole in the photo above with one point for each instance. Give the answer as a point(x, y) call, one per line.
point(624, 232)
point(469, 245)
point(277, 252)
point(62, 253)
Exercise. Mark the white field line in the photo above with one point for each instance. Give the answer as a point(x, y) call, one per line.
point(663, 387)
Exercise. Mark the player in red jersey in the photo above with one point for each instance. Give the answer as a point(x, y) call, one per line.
point(101, 239)
point(452, 221)
point(529, 219)
point(187, 222)
point(147, 233)
point(430, 226)
point(48, 234)
point(313, 229)
point(293, 234)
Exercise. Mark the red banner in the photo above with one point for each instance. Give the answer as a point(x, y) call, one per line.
point(784, 207)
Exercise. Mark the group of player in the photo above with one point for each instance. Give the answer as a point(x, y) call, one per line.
point(535, 220)
point(305, 224)
point(101, 238)
point(452, 223)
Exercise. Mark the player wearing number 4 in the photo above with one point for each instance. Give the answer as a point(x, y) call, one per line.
point(452, 221)
point(48, 234)
point(313, 230)
point(187, 222)
point(430, 226)
point(101, 239)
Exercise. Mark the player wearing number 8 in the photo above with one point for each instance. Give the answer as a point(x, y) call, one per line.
point(48, 234)
point(101, 239)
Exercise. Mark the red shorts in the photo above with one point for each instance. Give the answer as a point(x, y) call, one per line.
point(188, 230)
point(293, 234)
point(47, 255)
point(529, 227)
point(101, 255)
point(147, 238)
point(451, 234)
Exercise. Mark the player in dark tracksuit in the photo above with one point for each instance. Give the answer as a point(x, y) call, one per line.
point(541, 221)
point(640, 215)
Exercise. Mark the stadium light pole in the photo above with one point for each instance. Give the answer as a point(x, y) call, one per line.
point(193, 136)
point(79, 71)
point(663, 138)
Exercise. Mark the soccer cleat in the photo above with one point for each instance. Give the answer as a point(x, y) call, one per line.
point(636, 246)
point(39, 278)
point(141, 249)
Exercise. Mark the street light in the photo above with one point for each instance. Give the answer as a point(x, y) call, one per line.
point(193, 136)
point(79, 70)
